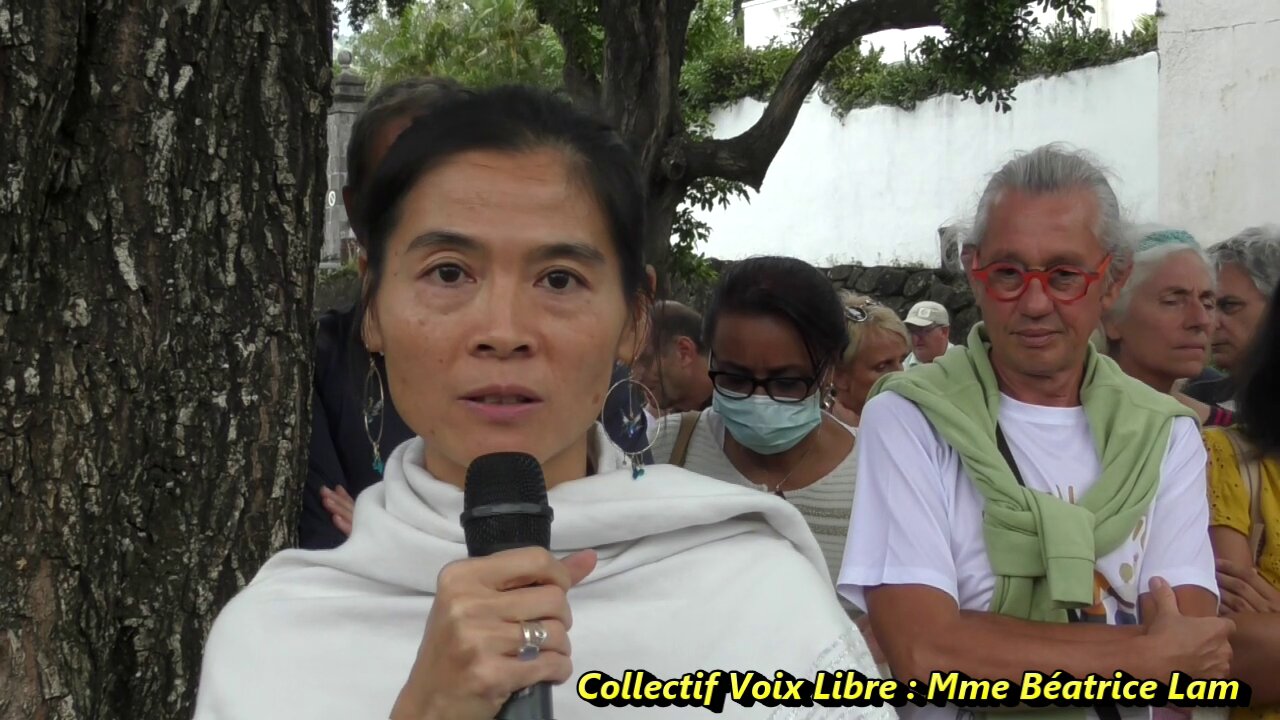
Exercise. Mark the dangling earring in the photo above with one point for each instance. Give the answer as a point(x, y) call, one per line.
point(631, 424)
point(374, 410)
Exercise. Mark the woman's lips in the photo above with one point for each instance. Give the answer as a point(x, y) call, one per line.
point(502, 403)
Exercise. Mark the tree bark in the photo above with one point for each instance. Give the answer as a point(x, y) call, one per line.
point(643, 56)
point(565, 17)
point(660, 216)
point(644, 42)
point(161, 209)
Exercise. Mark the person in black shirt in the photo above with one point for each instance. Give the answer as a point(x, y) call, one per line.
point(354, 424)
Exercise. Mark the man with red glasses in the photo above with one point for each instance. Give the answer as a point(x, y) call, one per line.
point(1024, 505)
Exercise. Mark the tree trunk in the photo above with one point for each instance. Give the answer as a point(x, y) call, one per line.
point(161, 209)
point(660, 215)
point(643, 56)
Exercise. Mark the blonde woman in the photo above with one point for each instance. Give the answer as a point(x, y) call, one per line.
point(878, 345)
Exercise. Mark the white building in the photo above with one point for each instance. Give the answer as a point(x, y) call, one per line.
point(1189, 134)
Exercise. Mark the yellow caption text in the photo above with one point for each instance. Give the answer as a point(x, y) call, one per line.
point(711, 689)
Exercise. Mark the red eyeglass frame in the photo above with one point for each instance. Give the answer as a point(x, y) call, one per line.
point(984, 273)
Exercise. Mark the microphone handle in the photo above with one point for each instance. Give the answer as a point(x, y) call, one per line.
point(532, 703)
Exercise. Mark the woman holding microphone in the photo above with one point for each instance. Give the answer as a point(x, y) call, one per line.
point(505, 280)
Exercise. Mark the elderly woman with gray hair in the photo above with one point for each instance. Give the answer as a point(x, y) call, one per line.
point(1248, 269)
point(1159, 328)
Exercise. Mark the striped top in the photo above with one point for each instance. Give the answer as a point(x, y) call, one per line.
point(825, 504)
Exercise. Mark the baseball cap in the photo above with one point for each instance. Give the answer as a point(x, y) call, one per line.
point(927, 313)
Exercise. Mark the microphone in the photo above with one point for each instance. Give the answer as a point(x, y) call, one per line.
point(505, 507)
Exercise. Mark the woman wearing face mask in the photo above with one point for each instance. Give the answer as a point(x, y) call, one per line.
point(505, 254)
point(878, 345)
point(776, 331)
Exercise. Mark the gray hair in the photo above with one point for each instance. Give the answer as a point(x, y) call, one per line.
point(406, 98)
point(1053, 169)
point(1147, 260)
point(1257, 251)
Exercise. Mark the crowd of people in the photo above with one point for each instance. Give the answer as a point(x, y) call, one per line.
point(793, 478)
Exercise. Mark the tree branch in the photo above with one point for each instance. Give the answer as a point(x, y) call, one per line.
point(746, 158)
point(580, 80)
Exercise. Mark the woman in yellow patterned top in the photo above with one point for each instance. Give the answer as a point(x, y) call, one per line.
point(1244, 497)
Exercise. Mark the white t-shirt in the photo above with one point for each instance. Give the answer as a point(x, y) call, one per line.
point(917, 516)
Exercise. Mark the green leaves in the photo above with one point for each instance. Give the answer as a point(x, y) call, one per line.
point(992, 45)
point(477, 42)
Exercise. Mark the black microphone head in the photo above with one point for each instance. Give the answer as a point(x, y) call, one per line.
point(505, 504)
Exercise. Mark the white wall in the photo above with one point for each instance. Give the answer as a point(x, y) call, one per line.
point(876, 187)
point(1220, 114)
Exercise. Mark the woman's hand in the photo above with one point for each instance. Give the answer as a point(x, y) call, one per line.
point(877, 654)
point(1244, 590)
point(341, 506)
point(467, 665)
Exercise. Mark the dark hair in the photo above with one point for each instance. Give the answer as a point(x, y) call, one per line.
point(404, 99)
point(788, 289)
point(673, 320)
point(1258, 392)
point(515, 119)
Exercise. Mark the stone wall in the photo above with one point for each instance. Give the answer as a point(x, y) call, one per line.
point(902, 287)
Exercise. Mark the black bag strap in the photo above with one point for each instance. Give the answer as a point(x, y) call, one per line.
point(1105, 712)
point(1008, 456)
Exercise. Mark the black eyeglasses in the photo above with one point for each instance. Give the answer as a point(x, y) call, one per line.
point(781, 389)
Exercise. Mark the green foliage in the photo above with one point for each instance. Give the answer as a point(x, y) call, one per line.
point(476, 42)
point(729, 73)
point(854, 80)
point(704, 194)
point(990, 47)
point(580, 20)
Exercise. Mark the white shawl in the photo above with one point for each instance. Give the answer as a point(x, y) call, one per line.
point(693, 574)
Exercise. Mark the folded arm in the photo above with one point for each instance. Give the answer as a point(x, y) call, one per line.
point(922, 631)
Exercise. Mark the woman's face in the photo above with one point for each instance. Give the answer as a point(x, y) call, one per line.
point(881, 352)
point(762, 347)
point(501, 311)
point(1241, 307)
point(1164, 333)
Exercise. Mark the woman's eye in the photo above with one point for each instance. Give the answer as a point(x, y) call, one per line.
point(560, 280)
point(448, 274)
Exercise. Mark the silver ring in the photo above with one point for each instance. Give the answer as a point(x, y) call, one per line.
point(534, 636)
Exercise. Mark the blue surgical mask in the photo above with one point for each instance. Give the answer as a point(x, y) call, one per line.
point(765, 425)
